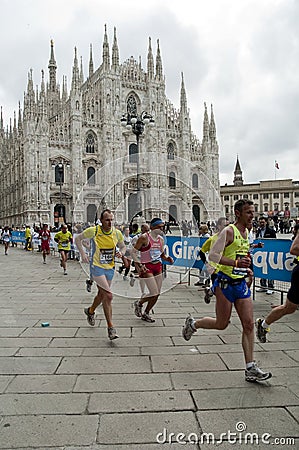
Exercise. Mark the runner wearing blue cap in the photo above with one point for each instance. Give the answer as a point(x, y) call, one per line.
point(151, 248)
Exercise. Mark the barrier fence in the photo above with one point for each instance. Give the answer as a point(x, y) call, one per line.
point(273, 261)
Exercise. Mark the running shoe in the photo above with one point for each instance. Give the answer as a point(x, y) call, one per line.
point(269, 292)
point(147, 318)
point(188, 328)
point(125, 278)
point(261, 289)
point(208, 295)
point(256, 374)
point(88, 285)
point(64, 272)
point(132, 280)
point(90, 317)
point(261, 332)
point(137, 308)
point(112, 334)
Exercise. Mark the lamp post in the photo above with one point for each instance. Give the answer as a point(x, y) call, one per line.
point(136, 124)
point(59, 166)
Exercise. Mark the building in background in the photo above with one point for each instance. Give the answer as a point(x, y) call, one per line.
point(65, 154)
point(272, 198)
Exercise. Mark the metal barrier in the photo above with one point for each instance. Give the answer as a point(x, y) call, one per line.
point(279, 286)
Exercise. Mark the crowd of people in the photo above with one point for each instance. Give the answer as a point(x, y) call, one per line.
point(226, 253)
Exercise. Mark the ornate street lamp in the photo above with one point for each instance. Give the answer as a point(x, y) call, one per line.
point(136, 124)
point(59, 167)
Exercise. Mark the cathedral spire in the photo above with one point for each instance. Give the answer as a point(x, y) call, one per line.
point(183, 97)
point(115, 52)
point(20, 124)
point(52, 69)
point(76, 76)
point(90, 73)
point(212, 126)
point(64, 88)
point(106, 57)
point(238, 176)
point(42, 86)
point(1, 119)
point(150, 61)
point(159, 70)
point(206, 125)
point(81, 71)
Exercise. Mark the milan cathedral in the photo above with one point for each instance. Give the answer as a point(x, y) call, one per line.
point(66, 155)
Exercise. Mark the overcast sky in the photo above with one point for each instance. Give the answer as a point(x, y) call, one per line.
point(240, 55)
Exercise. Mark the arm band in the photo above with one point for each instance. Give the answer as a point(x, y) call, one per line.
point(236, 263)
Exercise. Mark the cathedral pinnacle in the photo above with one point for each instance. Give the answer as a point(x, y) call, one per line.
point(150, 61)
point(206, 125)
point(76, 76)
point(52, 69)
point(212, 126)
point(90, 73)
point(159, 70)
point(183, 97)
point(106, 57)
point(115, 52)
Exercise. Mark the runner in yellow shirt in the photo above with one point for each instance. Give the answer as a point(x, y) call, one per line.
point(104, 241)
point(64, 239)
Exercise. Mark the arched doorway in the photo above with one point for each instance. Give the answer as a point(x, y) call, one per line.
point(91, 213)
point(59, 215)
point(196, 214)
point(173, 213)
point(132, 206)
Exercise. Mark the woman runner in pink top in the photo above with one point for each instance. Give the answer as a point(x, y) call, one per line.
point(151, 248)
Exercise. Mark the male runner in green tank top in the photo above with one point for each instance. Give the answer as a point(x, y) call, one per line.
point(230, 251)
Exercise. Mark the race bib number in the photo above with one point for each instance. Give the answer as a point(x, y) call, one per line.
point(106, 255)
point(239, 270)
point(64, 244)
point(155, 254)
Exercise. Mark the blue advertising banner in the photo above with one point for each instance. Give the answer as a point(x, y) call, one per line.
point(273, 261)
point(18, 236)
point(185, 250)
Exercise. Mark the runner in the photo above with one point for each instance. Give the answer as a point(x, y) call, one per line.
point(292, 301)
point(6, 237)
point(64, 239)
point(45, 237)
point(151, 247)
point(230, 251)
point(104, 240)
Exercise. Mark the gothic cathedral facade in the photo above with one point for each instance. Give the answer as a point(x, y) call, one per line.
point(67, 156)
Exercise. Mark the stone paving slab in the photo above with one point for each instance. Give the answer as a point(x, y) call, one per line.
point(192, 363)
point(53, 431)
point(275, 421)
point(20, 404)
point(119, 402)
point(35, 351)
point(28, 365)
point(129, 383)
point(41, 383)
point(123, 364)
point(140, 428)
point(265, 359)
point(248, 397)
point(24, 342)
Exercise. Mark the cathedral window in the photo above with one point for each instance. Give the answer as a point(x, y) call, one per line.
point(59, 173)
point(133, 153)
point(195, 181)
point(91, 175)
point(172, 180)
point(90, 143)
point(170, 151)
point(132, 106)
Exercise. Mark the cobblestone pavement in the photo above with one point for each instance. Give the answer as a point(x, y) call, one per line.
point(66, 386)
